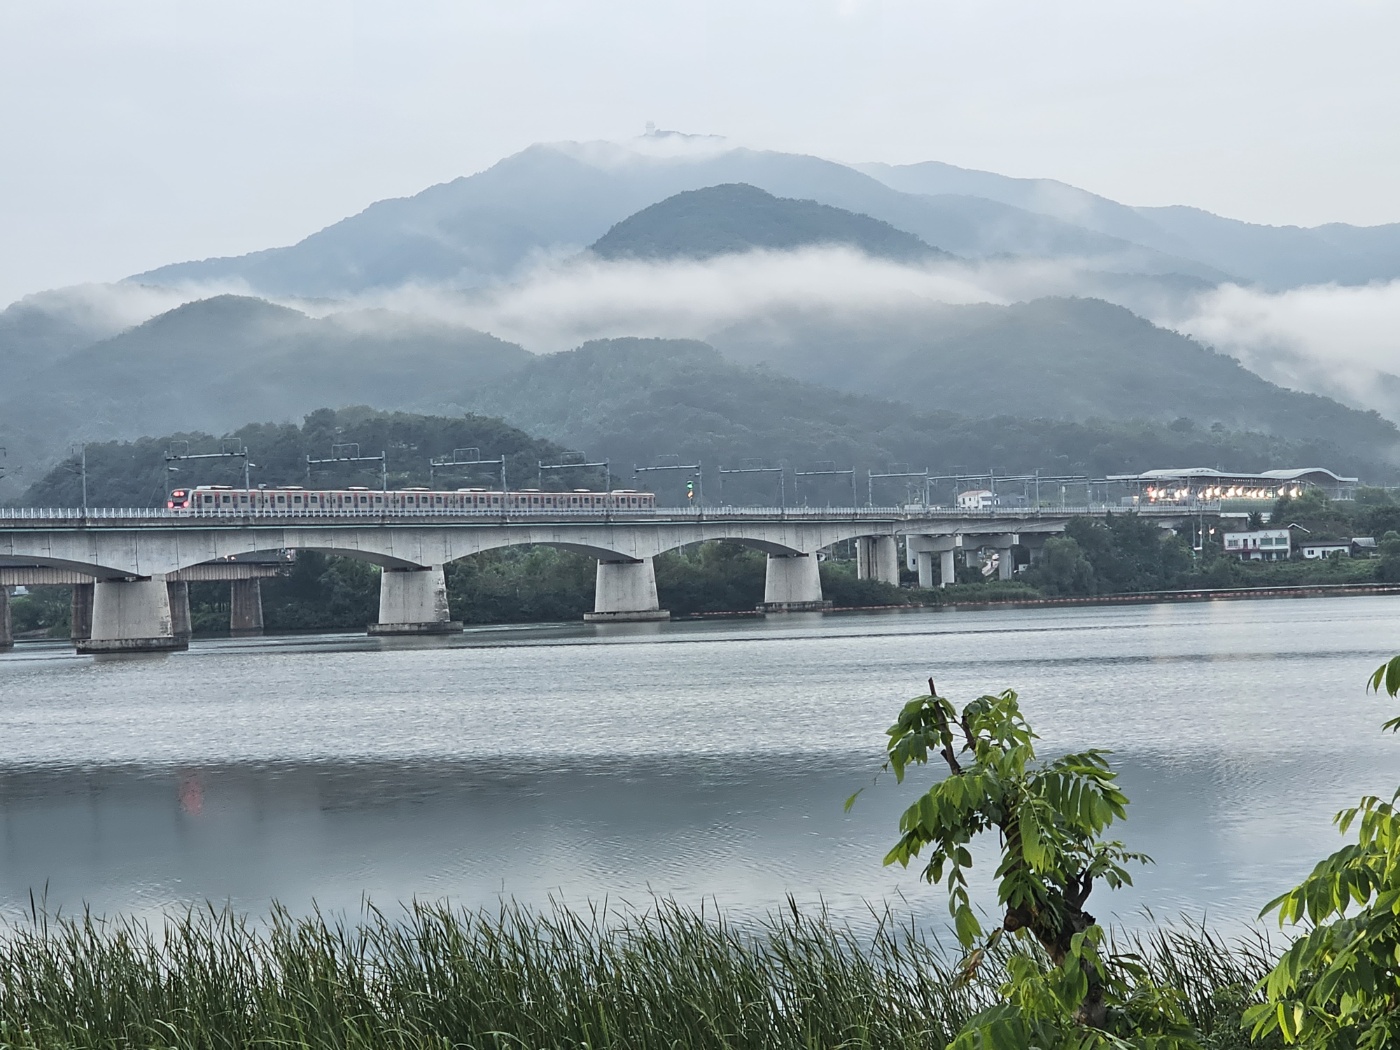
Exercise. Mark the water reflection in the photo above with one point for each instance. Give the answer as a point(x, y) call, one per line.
point(701, 760)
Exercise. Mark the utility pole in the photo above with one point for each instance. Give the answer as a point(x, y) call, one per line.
point(922, 475)
point(469, 458)
point(779, 470)
point(576, 460)
point(349, 452)
point(826, 468)
point(176, 457)
point(695, 491)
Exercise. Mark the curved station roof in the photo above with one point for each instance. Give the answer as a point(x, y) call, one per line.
point(1176, 483)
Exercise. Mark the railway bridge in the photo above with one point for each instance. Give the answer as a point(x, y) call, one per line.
point(135, 557)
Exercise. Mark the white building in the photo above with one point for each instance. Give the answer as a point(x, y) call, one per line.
point(1314, 549)
point(1260, 544)
point(977, 499)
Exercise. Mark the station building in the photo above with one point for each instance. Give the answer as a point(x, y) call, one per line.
point(1189, 485)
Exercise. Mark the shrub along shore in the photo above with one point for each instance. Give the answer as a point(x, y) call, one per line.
point(433, 976)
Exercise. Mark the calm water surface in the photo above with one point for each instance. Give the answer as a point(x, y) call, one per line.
point(705, 761)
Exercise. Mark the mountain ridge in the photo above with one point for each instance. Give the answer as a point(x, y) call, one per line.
point(547, 198)
point(736, 217)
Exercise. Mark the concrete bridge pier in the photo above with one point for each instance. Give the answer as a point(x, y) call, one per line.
point(7, 637)
point(1035, 546)
point(923, 564)
point(947, 567)
point(131, 616)
point(921, 551)
point(413, 601)
point(1006, 555)
point(245, 611)
point(793, 583)
point(626, 591)
point(181, 625)
point(80, 613)
point(877, 558)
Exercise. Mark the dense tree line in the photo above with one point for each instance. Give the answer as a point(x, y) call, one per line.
point(1124, 553)
point(634, 399)
point(135, 474)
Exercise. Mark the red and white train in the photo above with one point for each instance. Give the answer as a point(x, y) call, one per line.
point(293, 499)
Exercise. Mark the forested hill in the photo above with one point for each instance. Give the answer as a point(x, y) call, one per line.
point(133, 473)
point(691, 403)
point(1060, 357)
point(636, 399)
point(214, 364)
point(700, 224)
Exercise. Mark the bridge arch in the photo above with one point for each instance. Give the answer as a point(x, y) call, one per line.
point(589, 549)
point(96, 570)
point(766, 546)
point(384, 561)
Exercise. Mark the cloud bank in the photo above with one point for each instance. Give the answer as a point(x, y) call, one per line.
point(557, 307)
point(1340, 340)
point(1336, 340)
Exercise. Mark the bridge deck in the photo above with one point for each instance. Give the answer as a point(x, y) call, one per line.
point(160, 517)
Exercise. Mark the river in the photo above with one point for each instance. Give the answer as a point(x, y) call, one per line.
point(706, 761)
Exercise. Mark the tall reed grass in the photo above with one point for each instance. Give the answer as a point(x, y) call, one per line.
point(517, 978)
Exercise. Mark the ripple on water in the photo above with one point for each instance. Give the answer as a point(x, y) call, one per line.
point(699, 759)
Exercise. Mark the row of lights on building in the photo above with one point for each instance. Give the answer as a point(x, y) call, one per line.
point(1220, 492)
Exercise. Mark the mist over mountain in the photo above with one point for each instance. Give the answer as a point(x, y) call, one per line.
point(214, 364)
point(40, 329)
point(717, 220)
point(551, 200)
point(1275, 257)
point(1059, 358)
point(810, 269)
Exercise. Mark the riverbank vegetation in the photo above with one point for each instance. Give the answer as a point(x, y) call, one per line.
point(668, 978)
point(1038, 971)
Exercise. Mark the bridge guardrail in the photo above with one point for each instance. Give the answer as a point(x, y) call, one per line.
point(74, 516)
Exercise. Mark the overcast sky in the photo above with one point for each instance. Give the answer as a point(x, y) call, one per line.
point(148, 131)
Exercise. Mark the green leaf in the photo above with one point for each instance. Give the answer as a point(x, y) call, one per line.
point(965, 924)
point(1387, 676)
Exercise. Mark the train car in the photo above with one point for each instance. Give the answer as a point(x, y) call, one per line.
point(294, 499)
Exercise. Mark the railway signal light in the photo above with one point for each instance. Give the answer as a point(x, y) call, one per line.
point(690, 490)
